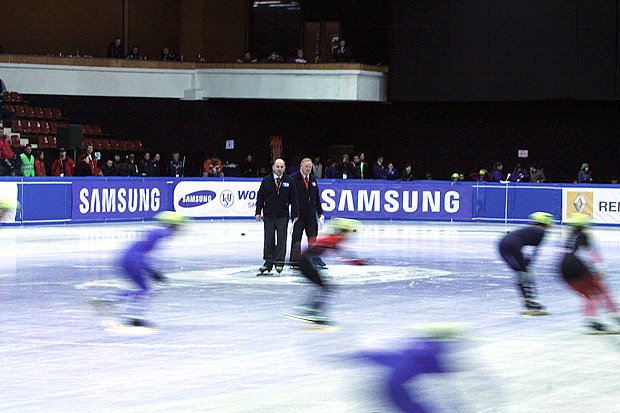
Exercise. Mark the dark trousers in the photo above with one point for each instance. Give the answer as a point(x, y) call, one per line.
point(511, 253)
point(308, 224)
point(274, 246)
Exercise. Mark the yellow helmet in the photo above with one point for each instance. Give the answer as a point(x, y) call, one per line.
point(455, 175)
point(483, 172)
point(8, 204)
point(171, 218)
point(345, 224)
point(578, 220)
point(543, 218)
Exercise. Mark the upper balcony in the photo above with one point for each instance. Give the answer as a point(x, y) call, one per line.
point(52, 75)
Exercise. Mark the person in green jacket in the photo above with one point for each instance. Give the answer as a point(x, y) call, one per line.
point(27, 161)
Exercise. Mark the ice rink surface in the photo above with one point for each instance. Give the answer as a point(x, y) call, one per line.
point(224, 345)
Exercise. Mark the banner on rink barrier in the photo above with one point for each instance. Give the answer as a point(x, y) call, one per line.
point(602, 205)
point(399, 200)
point(118, 199)
point(211, 198)
point(8, 190)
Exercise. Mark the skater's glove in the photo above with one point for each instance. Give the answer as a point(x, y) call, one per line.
point(159, 277)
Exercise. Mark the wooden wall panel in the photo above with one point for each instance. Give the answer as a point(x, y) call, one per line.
point(153, 25)
point(225, 30)
point(60, 26)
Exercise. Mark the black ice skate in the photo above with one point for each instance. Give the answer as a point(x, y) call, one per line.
point(595, 327)
point(533, 308)
point(264, 270)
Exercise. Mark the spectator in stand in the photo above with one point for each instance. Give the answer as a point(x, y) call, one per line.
point(117, 164)
point(83, 168)
point(39, 164)
point(167, 55)
point(364, 170)
point(27, 161)
point(92, 161)
point(248, 167)
point(356, 167)
point(330, 171)
point(131, 166)
point(378, 170)
point(247, 58)
point(176, 167)
point(391, 174)
point(317, 168)
point(145, 166)
point(107, 169)
point(155, 165)
point(537, 175)
point(6, 157)
point(274, 57)
point(212, 167)
point(585, 175)
point(519, 174)
point(345, 169)
point(498, 175)
point(299, 58)
point(407, 173)
point(341, 52)
point(482, 176)
point(63, 165)
point(2, 88)
point(115, 49)
point(134, 54)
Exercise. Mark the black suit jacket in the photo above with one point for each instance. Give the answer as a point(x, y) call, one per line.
point(274, 202)
point(309, 199)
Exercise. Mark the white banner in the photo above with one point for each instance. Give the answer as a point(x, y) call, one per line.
point(601, 204)
point(216, 198)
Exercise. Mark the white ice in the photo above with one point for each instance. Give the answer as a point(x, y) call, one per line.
point(224, 345)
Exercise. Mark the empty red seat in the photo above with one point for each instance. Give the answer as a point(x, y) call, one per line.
point(52, 141)
point(57, 113)
point(97, 130)
point(45, 127)
point(26, 127)
point(19, 111)
point(16, 125)
point(16, 97)
point(29, 112)
point(47, 112)
point(38, 112)
point(43, 142)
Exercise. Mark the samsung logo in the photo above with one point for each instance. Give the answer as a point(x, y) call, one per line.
point(391, 201)
point(119, 200)
point(196, 199)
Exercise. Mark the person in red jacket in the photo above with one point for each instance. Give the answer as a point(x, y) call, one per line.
point(39, 164)
point(314, 310)
point(63, 165)
point(6, 156)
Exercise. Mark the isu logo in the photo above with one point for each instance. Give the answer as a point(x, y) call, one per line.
point(227, 199)
point(579, 202)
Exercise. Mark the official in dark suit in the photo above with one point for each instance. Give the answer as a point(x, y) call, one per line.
point(309, 208)
point(276, 194)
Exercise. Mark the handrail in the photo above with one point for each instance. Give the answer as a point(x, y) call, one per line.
point(156, 64)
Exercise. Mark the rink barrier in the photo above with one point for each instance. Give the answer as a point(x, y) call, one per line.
point(115, 199)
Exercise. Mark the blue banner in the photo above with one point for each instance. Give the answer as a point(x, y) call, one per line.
point(118, 199)
point(423, 200)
